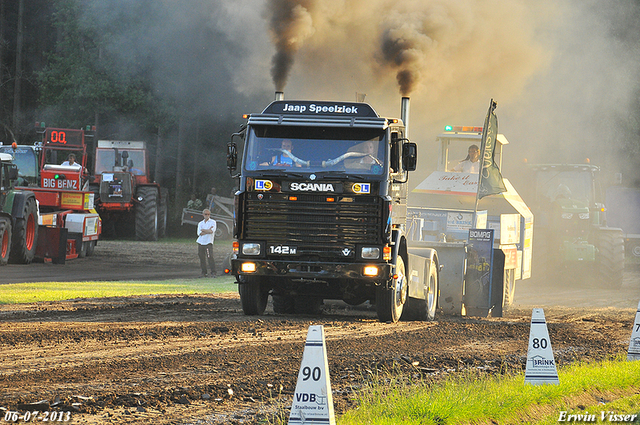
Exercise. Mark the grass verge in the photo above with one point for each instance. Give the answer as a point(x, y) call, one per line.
point(19, 293)
point(475, 398)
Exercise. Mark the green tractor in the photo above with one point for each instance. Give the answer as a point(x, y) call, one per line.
point(18, 217)
point(573, 241)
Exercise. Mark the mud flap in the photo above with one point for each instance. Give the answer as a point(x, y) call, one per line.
point(52, 244)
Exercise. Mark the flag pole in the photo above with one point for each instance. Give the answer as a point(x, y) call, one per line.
point(483, 157)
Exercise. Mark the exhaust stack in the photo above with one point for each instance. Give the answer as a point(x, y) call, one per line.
point(279, 95)
point(404, 115)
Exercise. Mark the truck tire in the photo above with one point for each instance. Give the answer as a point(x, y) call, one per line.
point(390, 301)
point(610, 257)
point(307, 305)
point(147, 214)
point(283, 304)
point(253, 296)
point(163, 213)
point(424, 309)
point(25, 234)
point(221, 232)
point(5, 240)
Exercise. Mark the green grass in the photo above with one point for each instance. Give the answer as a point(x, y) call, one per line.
point(502, 399)
point(17, 293)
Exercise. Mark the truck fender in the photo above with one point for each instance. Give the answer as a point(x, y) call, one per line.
point(418, 267)
point(399, 248)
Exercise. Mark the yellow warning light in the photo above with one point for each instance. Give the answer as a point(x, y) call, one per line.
point(248, 267)
point(370, 271)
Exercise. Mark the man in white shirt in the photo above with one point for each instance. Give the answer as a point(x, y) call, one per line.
point(71, 162)
point(471, 164)
point(206, 232)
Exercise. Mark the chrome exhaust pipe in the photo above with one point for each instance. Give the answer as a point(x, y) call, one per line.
point(404, 115)
point(279, 95)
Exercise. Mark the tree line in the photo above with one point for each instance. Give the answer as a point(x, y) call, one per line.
point(133, 69)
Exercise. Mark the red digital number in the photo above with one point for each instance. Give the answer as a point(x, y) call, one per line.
point(59, 137)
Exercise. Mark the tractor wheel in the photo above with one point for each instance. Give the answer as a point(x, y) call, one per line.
point(424, 309)
point(147, 214)
point(610, 257)
point(5, 240)
point(283, 304)
point(390, 301)
point(163, 212)
point(253, 296)
point(25, 234)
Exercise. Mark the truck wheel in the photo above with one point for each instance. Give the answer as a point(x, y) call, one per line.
point(634, 248)
point(610, 257)
point(147, 214)
point(221, 232)
point(253, 296)
point(424, 309)
point(5, 240)
point(283, 304)
point(307, 305)
point(25, 234)
point(163, 212)
point(390, 301)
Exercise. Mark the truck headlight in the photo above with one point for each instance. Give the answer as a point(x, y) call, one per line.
point(251, 249)
point(370, 252)
point(583, 216)
point(567, 216)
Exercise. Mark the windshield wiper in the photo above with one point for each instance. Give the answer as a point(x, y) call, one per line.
point(340, 175)
point(282, 174)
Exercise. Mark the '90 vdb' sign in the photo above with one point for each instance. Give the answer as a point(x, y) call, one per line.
point(63, 137)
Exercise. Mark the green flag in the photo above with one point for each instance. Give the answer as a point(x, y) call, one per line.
point(490, 178)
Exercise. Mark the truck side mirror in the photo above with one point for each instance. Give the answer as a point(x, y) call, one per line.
point(12, 173)
point(409, 156)
point(232, 157)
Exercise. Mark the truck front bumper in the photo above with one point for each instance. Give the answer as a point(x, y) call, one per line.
point(293, 269)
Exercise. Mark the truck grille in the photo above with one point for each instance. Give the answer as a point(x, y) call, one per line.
point(313, 224)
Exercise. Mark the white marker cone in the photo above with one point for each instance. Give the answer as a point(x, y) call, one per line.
point(634, 344)
point(541, 366)
point(312, 400)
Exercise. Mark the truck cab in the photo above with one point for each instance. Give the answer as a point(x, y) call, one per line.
point(321, 207)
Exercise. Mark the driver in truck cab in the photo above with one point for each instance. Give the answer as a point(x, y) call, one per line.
point(281, 159)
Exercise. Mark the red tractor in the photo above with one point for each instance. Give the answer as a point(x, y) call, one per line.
point(68, 226)
point(125, 192)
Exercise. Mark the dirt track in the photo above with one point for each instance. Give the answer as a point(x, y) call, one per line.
point(197, 359)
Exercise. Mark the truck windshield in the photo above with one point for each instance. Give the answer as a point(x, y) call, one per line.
point(106, 161)
point(316, 149)
point(569, 184)
point(26, 160)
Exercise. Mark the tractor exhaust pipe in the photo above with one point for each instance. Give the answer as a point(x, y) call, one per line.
point(279, 95)
point(404, 115)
